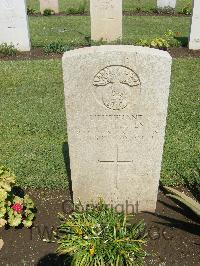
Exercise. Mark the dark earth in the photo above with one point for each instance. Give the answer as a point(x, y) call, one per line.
point(173, 233)
point(38, 53)
point(125, 13)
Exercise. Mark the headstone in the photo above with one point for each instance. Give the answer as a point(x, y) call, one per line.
point(194, 42)
point(166, 3)
point(49, 4)
point(106, 20)
point(116, 103)
point(14, 24)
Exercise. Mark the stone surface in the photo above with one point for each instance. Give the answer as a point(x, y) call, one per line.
point(116, 103)
point(106, 19)
point(14, 24)
point(194, 42)
point(166, 3)
point(49, 4)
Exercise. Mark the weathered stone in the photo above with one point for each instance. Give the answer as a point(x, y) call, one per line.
point(116, 102)
point(13, 24)
point(166, 3)
point(106, 19)
point(194, 42)
point(49, 4)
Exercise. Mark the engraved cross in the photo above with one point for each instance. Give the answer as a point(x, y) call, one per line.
point(117, 162)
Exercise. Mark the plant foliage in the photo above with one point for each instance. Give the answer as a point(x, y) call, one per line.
point(169, 39)
point(48, 12)
point(56, 47)
point(81, 9)
point(189, 202)
point(186, 10)
point(166, 10)
point(14, 210)
point(7, 49)
point(30, 11)
point(101, 236)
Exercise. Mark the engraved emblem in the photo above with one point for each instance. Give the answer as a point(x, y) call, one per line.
point(115, 86)
point(8, 4)
point(105, 4)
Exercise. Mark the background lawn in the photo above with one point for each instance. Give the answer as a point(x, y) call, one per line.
point(33, 124)
point(74, 29)
point(128, 5)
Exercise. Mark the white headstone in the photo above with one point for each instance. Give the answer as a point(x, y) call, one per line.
point(166, 3)
point(116, 103)
point(49, 4)
point(194, 42)
point(14, 24)
point(106, 20)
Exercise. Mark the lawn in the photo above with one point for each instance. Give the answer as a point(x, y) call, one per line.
point(73, 30)
point(33, 124)
point(128, 5)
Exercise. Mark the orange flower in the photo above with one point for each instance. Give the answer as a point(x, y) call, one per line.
point(178, 33)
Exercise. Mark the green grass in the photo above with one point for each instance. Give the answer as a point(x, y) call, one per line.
point(33, 124)
point(74, 29)
point(182, 147)
point(128, 5)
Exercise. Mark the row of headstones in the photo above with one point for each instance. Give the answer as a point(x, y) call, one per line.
point(54, 5)
point(106, 22)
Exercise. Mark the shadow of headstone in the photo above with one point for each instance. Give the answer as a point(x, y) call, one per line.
point(53, 260)
point(65, 151)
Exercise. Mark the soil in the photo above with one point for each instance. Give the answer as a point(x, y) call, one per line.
point(125, 13)
point(35, 53)
point(38, 53)
point(173, 233)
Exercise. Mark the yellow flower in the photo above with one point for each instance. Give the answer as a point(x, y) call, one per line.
point(2, 222)
point(79, 231)
point(92, 251)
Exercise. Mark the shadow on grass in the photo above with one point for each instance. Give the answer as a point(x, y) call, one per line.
point(65, 151)
point(193, 187)
point(183, 41)
point(52, 259)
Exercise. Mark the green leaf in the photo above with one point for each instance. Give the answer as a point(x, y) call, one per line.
point(15, 220)
point(27, 223)
point(189, 202)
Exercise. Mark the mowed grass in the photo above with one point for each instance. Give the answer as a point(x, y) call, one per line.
point(181, 160)
point(128, 5)
point(73, 30)
point(33, 124)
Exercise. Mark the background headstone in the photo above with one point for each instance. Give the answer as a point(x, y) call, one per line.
point(106, 19)
point(194, 42)
point(49, 4)
point(166, 3)
point(116, 103)
point(14, 24)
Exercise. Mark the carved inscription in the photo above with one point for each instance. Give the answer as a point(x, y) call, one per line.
point(124, 127)
point(7, 4)
point(105, 4)
point(117, 162)
point(115, 87)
